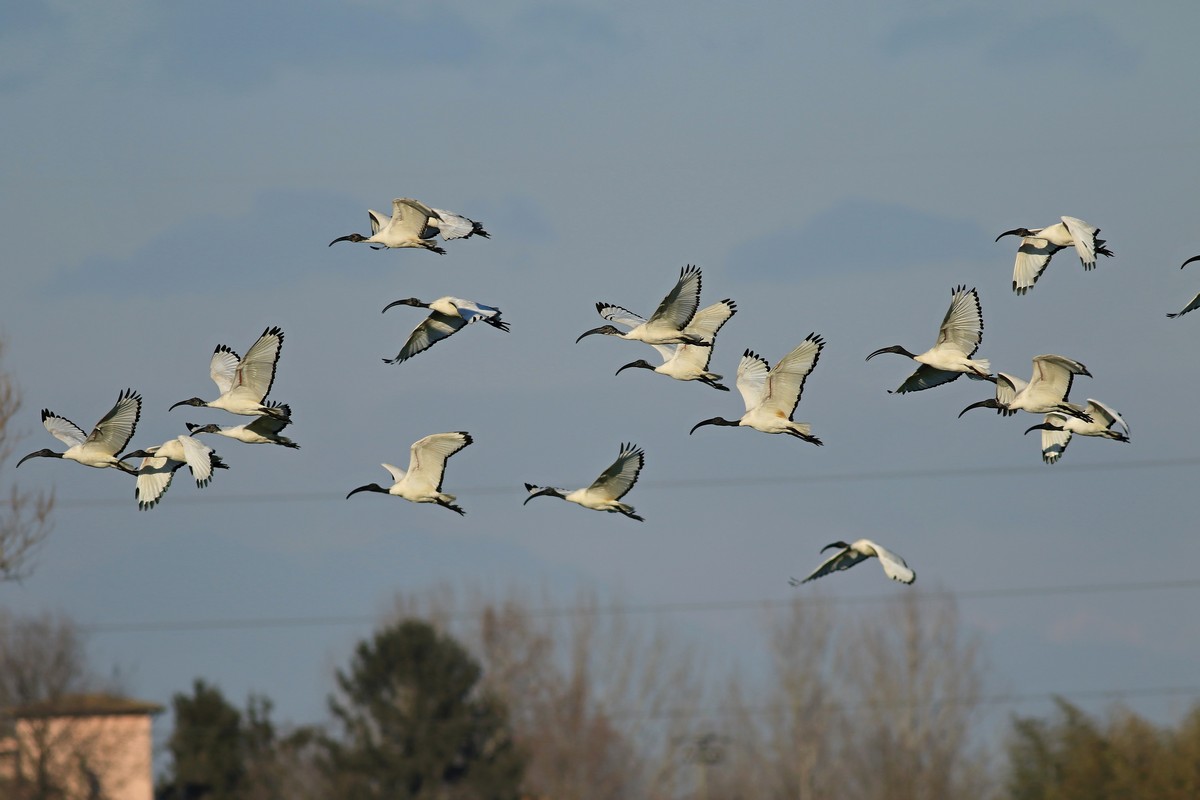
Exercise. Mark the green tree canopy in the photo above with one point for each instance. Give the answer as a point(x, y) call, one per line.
point(414, 723)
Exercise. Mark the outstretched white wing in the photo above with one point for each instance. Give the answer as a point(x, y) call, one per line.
point(223, 367)
point(1084, 236)
point(200, 459)
point(752, 374)
point(963, 325)
point(433, 329)
point(63, 429)
point(427, 460)
point(680, 304)
point(893, 565)
point(619, 315)
point(112, 433)
point(616, 481)
point(786, 381)
point(1033, 255)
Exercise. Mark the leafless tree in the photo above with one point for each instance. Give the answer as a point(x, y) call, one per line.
point(594, 697)
point(25, 518)
point(43, 662)
point(911, 678)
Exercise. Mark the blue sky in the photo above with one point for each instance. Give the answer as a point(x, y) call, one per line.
point(173, 174)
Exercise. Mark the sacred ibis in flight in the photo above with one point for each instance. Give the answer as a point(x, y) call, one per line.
point(1007, 387)
point(449, 225)
point(689, 362)
point(449, 315)
point(1058, 428)
point(262, 430)
point(101, 447)
point(245, 382)
point(1195, 302)
point(951, 356)
point(771, 395)
point(160, 463)
point(1047, 390)
point(606, 491)
point(1038, 246)
point(412, 224)
point(668, 323)
point(422, 481)
point(850, 554)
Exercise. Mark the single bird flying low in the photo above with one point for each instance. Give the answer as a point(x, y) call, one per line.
point(668, 323)
point(772, 394)
point(101, 447)
point(606, 491)
point(1038, 246)
point(422, 481)
point(850, 554)
point(244, 383)
point(953, 353)
point(448, 315)
point(160, 463)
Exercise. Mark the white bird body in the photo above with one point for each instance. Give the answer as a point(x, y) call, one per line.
point(771, 395)
point(668, 323)
point(159, 464)
point(245, 382)
point(448, 316)
point(606, 491)
point(689, 362)
point(1038, 246)
point(422, 481)
point(1194, 303)
point(850, 554)
point(261, 430)
point(449, 225)
point(412, 224)
point(952, 355)
point(1047, 390)
point(102, 446)
point(1058, 428)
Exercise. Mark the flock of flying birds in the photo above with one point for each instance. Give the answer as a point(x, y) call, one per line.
point(681, 332)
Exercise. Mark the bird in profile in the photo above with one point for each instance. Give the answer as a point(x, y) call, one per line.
point(606, 491)
point(412, 224)
point(668, 322)
point(689, 362)
point(244, 383)
point(1058, 428)
point(771, 395)
point(1046, 391)
point(160, 463)
point(1195, 301)
point(448, 316)
point(101, 447)
point(422, 481)
point(850, 554)
point(952, 355)
point(1038, 246)
point(1007, 387)
point(261, 430)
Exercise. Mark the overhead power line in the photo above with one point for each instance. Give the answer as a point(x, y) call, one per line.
point(682, 483)
point(263, 623)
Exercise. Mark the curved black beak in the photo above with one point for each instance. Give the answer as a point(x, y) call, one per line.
point(989, 403)
point(601, 329)
point(1013, 232)
point(640, 363)
point(370, 487)
point(841, 545)
point(43, 453)
point(1190, 260)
